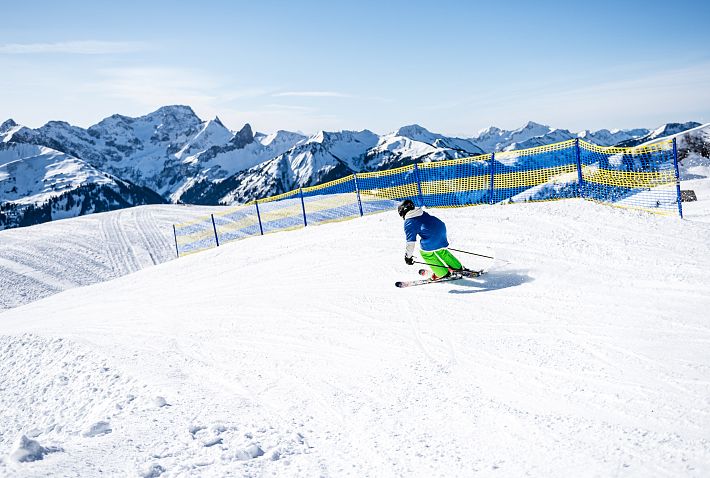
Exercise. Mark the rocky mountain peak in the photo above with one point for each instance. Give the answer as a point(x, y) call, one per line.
point(243, 137)
point(218, 121)
point(7, 126)
point(533, 125)
point(174, 110)
point(413, 131)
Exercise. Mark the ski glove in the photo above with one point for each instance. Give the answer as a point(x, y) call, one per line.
point(408, 259)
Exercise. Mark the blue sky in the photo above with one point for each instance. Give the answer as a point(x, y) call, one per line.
point(453, 67)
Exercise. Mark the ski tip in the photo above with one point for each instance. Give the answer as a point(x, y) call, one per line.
point(399, 284)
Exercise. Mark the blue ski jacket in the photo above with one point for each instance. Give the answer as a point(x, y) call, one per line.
point(430, 229)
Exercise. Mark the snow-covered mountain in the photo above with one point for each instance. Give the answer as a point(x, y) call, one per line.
point(414, 143)
point(534, 134)
point(167, 150)
point(39, 184)
point(326, 156)
point(495, 139)
point(322, 157)
point(605, 137)
point(662, 131)
point(182, 158)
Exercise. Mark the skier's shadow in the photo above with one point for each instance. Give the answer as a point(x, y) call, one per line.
point(494, 280)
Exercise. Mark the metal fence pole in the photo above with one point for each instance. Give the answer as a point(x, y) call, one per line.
point(303, 206)
point(357, 191)
point(214, 227)
point(258, 216)
point(677, 177)
point(580, 179)
point(419, 183)
point(177, 251)
point(493, 172)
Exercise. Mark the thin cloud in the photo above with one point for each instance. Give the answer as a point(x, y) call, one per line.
point(231, 95)
point(157, 86)
point(623, 100)
point(313, 94)
point(87, 47)
point(277, 106)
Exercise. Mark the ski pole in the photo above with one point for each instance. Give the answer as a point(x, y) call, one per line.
point(472, 253)
point(479, 255)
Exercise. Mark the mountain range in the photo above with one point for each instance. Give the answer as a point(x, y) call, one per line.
point(171, 155)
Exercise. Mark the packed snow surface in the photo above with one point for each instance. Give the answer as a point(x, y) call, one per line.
point(293, 354)
point(41, 260)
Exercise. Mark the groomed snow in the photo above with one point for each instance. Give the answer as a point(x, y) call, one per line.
point(41, 260)
point(293, 354)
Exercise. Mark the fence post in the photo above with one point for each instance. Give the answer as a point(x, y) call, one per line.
point(177, 251)
point(493, 172)
point(677, 177)
point(357, 191)
point(258, 216)
point(303, 206)
point(580, 179)
point(214, 227)
point(419, 184)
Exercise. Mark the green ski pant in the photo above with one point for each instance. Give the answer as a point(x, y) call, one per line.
point(440, 261)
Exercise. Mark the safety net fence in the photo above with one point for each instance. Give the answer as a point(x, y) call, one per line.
point(644, 177)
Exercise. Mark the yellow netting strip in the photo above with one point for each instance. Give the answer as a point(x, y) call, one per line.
point(185, 239)
point(328, 184)
point(388, 172)
point(454, 162)
point(536, 150)
point(533, 177)
point(393, 192)
point(471, 183)
point(665, 145)
point(628, 179)
point(279, 197)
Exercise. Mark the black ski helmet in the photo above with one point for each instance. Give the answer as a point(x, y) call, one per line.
point(406, 206)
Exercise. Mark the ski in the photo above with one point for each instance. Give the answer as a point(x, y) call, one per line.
point(413, 283)
point(464, 273)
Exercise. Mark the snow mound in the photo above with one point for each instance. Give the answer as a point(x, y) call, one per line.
point(28, 450)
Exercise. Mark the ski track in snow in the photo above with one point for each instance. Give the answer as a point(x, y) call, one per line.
point(48, 258)
point(293, 354)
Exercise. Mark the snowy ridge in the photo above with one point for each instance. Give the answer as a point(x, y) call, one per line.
point(534, 134)
point(34, 174)
point(663, 131)
point(322, 157)
point(414, 143)
point(39, 184)
point(164, 150)
point(327, 156)
point(495, 139)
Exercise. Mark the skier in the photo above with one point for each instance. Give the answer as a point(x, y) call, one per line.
point(433, 242)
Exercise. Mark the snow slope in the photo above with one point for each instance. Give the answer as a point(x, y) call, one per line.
point(39, 184)
point(33, 174)
point(293, 354)
point(41, 260)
